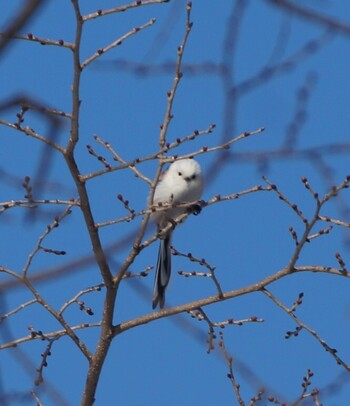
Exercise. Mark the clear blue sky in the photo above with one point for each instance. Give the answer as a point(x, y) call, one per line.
point(165, 362)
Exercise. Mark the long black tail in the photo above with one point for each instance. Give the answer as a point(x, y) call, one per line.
point(163, 272)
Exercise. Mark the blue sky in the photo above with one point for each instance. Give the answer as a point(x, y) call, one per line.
point(165, 362)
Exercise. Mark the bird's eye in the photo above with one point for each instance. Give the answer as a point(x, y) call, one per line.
point(179, 173)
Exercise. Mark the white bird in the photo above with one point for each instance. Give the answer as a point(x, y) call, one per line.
point(182, 182)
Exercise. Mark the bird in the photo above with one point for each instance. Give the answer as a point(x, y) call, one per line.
point(181, 183)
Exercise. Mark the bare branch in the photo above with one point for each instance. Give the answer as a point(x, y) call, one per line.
point(42, 41)
point(229, 361)
point(123, 163)
point(29, 131)
point(96, 288)
point(256, 287)
point(36, 398)
point(201, 315)
point(214, 200)
point(55, 334)
point(168, 147)
point(302, 325)
point(27, 12)
point(178, 75)
point(334, 221)
point(201, 262)
point(119, 9)
point(226, 145)
point(293, 206)
point(35, 202)
point(17, 309)
point(48, 230)
point(115, 43)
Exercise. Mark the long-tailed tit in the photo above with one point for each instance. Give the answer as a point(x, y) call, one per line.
point(182, 182)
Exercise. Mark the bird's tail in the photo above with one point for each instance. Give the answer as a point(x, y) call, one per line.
point(163, 272)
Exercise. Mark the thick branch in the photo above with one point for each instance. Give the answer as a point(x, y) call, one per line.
point(256, 287)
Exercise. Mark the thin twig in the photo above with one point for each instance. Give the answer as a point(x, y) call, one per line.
point(201, 262)
point(214, 200)
point(329, 349)
point(69, 331)
point(153, 156)
point(48, 230)
point(177, 78)
point(55, 334)
point(119, 9)
point(138, 245)
point(125, 164)
point(29, 131)
point(42, 41)
point(96, 288)
point(282, 197)
point(229, 361)
point(34, 202)
point(17, 309)
point(334, 221)
point(36, 398)
point(27, 11)
point(115, 43)
point(201, 315)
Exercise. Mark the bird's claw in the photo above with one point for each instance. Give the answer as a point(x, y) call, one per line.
point(196, 209)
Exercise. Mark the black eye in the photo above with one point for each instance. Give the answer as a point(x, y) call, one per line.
point(193, 176)
point(179, 173)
